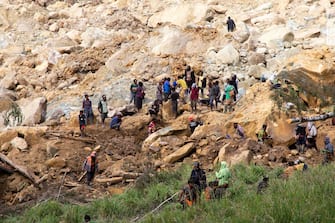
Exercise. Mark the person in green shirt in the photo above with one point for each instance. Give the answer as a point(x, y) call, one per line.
point(229, 94)
point(133, 90)
point(223, 175)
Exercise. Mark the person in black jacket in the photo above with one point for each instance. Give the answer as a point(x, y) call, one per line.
point(198, 176)
point(230, 24)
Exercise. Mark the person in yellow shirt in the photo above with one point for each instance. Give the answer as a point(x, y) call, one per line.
point(183, 93)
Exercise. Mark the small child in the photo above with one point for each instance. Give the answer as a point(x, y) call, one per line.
point(82, 123)
point(152, 127)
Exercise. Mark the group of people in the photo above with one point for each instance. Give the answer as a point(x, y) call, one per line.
point(86, 115)
point(137, 93)
point(197, 183)
point(189, 87)
point(306, 138)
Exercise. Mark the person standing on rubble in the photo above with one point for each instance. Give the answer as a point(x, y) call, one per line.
point(91, 166)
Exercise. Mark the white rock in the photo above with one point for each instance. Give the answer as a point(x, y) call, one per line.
point(19, 143)
point(242, 33)
point(228, 55)
point(181, 15)
point(274, 36)
point(33, 110)
point(54, 27)
point(91, 35)
point(262, 50)
point(264, 6)
point(256, 71)
point(74, 35)
point(39, 17)
point(170, 41)
point(8, 81)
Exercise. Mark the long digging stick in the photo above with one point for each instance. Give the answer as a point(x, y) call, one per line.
point(61, 185)
point(157, 208)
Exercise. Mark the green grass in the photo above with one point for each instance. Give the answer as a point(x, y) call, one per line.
point(304, 197)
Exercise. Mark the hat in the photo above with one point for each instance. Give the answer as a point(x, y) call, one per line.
point(94, 153)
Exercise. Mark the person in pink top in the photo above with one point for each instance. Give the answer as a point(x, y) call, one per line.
point(194, 96)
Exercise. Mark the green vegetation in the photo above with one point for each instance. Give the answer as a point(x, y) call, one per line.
point(13, 117)
point(304, 197)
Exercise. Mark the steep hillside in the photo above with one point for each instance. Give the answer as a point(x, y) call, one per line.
point(53, 52)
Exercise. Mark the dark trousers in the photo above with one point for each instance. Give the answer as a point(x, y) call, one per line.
point(89, 177)
point(138, 102)
point(174, 107)
point(312, 142)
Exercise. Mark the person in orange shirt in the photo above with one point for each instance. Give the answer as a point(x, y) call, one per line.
point(91, 166)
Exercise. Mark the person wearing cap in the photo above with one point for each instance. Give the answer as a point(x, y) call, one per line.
point(103, 109)
point(82, 123)
point(328, 151)
point(198, 176)
point(193, 123)
point(87, 107)
point(90, 166)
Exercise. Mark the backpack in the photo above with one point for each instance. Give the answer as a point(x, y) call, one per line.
point(301, 130)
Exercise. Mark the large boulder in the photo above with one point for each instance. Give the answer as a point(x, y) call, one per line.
point(242, 33)
point(228, 55)
point(257, 71)
point(275, 36)
point(56, 162)
point(222, 152)
point(170, 41)
point(7, 136)
point(237, 152)
point(256, 58)
point(161, 132)
point(179, 153)
point(33, 110)
point(136, 122)
point(8, 81)
point(19, 143)
point(205, 131)
point(313, 72)
point(181, 15)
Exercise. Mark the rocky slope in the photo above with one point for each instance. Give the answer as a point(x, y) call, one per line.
point(51, 52)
